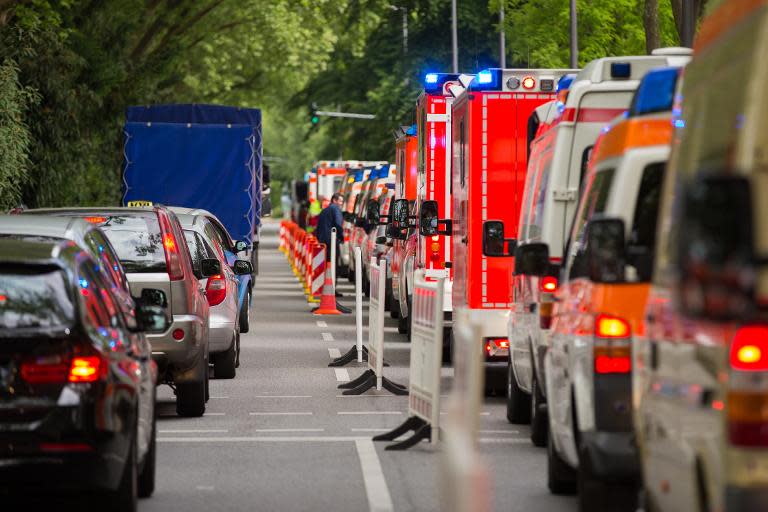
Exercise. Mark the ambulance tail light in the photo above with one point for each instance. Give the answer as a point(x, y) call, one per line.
point(496, 347)
point(747, 398)
point(612, 349)
point(548, 284)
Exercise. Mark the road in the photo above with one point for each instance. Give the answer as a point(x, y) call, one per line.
point(281, 437)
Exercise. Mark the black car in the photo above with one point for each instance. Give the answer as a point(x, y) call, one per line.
point(76, 376)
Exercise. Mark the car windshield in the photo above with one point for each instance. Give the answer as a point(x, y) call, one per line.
point(34, 297)
point(137, 241)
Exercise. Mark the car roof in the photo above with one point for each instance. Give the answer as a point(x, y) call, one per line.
point(37, 253)
point(189, 220)
point(115, 210)
point(49, 226)
point(182, 210)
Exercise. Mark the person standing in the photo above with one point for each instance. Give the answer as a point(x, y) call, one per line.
point(328, 219)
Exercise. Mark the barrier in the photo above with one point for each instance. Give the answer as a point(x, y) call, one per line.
point(374, 375)
point(426, 362)
point(358, 351)
point(309, 247)
point(318, 273)
point(464, 477)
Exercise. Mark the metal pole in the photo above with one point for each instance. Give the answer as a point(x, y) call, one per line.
point(333, 255)
point(359, 303)
point(502, 39)
point(405, 30)
point(574, 37)
point(688, 24)
point(454, 37)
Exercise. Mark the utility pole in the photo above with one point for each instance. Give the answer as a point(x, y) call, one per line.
point(502, 38)
point(404, 10)
point(454, 37)
point(574, 37)
point(688, 24)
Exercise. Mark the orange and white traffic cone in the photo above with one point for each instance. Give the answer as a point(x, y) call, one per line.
point(328, 299)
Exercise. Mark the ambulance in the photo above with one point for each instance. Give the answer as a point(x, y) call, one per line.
point(382, 190)
point(431, 253)
point(701, 371)
point(489, 136)
point(406, 154)
point(559, 158)
point(359, 180)
point(324, 179)
point(601, 302)
point(370, 190)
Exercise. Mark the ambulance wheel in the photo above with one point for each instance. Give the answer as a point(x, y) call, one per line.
point(518, 401)
point(598, 496)
point(410, 317)
point(402, 324)
point(394, 311)
point(447, 346)
point(539, 419)
point(388, 298)
point(561, 478)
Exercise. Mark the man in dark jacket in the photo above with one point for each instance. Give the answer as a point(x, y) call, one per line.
point(328, 219)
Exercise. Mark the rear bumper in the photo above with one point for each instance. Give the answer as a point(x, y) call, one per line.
point(612, 455)
point(60, 472)
point(177, 360)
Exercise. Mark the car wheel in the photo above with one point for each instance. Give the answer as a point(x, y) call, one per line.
point(237, 361)
point(518, 401)
point(539, 420)
point(598, 496)
point(402, 324)
point(448, 346)
point(191, 396)
point(245, 313)
point(125, 497)
point(207, 379)
point(146, 484)
point(561, 478)
point(394, 310)
point(225, 362)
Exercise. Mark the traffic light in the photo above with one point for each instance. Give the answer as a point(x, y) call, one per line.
point(314, 119)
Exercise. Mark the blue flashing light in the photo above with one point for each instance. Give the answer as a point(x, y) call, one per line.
point(565, 82)
point(411, 131)
point(679, 123)
point(431, 78)
point(656, 92)
point(83, 282)
point(484, 77)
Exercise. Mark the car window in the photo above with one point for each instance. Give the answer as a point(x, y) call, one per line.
point(137, 241)
point(221, 235)
point(102, 249)
point(210, 232)
point(643, 232)
point(33, 296)
point(195, 251)
point(98, 308)
point(593, 201)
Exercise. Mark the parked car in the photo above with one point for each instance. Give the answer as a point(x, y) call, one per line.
point(77, 382)
point(701, 370)
point(221, 290)
point(220, 237)
point(150, 244)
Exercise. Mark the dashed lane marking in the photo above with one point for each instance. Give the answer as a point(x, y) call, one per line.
point(342, 375)
point(326, 336)
point(215, 414)
point(368, 413)
point(511, 432)
point(372, 395)
point(282, 396)
point(334, 353)
point(264, 439)
point(370, 429)
point(193, 431)
point(219, 397)
point(287, 430)
point(376, 488)
point(204, 487)
point(320, 323)
point(280, 413)
point(497, 440)
point(442, 413)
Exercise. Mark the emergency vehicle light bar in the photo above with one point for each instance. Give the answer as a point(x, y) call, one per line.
point(656, 92)
point(433, 82)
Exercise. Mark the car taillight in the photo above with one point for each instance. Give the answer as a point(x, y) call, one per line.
point(216, 290)
point(95, 220)
point(86, 369)
point(59, 369)
point(496, 346)
point(548, 284)
point(747, 398)
point(612, 349)
point(171, 247)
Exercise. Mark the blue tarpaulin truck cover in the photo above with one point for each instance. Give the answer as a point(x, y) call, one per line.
point(197, 156)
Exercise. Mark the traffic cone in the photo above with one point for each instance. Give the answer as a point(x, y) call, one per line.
point(328, 299)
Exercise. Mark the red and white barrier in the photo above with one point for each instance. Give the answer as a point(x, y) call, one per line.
point(317, 275)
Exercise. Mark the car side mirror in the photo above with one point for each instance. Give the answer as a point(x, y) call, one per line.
point(242, 267)
point(400, 214)
point(532, 259)
point(373, 213)
point(152, 297)
point(381, 240)
point(494, 241)
point(716, 260)
point(430, 221)
point(152, 319)
point(606, 254)
point(240, 246)
point(210, 267)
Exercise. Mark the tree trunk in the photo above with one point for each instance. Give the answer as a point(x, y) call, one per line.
point(677, 14)
point(651, 25)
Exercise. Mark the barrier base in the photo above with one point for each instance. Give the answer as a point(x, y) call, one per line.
point(421, 431)
point(367, 381)
point(349, 357)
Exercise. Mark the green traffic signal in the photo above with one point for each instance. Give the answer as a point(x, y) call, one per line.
point(315, 119)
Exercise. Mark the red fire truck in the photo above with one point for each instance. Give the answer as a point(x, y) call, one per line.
point(490, 134)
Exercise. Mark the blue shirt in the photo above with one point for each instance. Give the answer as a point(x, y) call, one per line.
point(328, 219)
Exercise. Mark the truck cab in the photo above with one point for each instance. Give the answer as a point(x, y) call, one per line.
point(406, 150)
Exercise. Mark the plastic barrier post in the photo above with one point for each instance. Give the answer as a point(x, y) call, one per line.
point(333, 254)
point(318, 273)
point(464, 477)
point(358, 350)
point(374, 375)
point(426, 362)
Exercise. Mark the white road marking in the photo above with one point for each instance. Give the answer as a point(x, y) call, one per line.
point(320, 323)
point(194, 431)
point(481, 414)
point(367, 413)
point(342, 375)
point(204, 487)
point(376, 489)
point(282, 396)
point(219, 397)
point(326, 336)
point(214, 414)
point(496, 440)
point(280, 413)
point(370, 396)
point(370, 429)
point(334, 353)
point(264, 439)
point(288, 430)
point(499, 432)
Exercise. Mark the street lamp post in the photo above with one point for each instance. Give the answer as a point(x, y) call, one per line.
point(404, 10)
point(454, 37)
point(574, 37)
point(502, 39)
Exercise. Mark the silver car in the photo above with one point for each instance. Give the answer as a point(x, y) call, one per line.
point(153, 252)
point(221, 291)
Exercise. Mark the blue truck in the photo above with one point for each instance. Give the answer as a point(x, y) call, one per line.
point(198, 156)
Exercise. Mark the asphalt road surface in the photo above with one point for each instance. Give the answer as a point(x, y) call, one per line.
point(280, 437)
